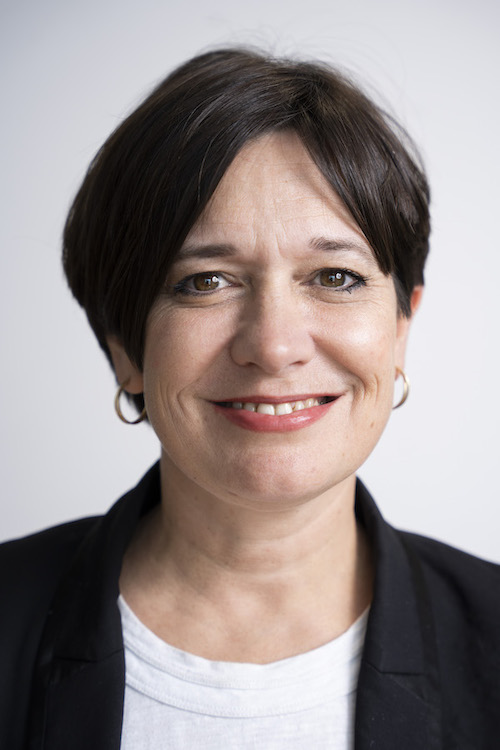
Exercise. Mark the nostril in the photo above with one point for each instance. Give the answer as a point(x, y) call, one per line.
point(274, 330)
point(272, 353)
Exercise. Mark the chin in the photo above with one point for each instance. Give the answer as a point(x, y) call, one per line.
point(285, 484)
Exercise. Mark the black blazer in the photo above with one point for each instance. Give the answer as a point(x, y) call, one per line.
point(430, 670)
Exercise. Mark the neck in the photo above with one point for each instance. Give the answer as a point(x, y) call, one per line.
point(301, 571)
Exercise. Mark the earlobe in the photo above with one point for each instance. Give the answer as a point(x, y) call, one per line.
point(416, 298)
point(127, 373)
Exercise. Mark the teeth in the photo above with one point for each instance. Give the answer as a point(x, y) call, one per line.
point(266, 409)
point(277, 409)
point(283, 409)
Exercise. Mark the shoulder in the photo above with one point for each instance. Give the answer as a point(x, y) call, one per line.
point(463, 590)
point(31, 568)
point(38, 557)
point(450, 577)
point(466, 580)
point(52, 541)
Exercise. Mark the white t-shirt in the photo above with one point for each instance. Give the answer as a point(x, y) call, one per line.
point(177, 701)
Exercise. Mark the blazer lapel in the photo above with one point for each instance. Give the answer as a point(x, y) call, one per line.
point(84, 704)
point(398, 697)
point(80, 673)
point(391, 715)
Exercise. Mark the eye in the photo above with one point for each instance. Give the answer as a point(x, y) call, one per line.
point(201, 283)
point(205, 282)
point(338, 278)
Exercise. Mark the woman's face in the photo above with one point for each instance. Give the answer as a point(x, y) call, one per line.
point(270, 355)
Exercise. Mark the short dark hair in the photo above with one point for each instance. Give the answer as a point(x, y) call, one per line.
point(152, 178)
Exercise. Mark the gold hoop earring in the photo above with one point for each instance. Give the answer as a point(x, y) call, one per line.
point(406, 387)
point(118, 410)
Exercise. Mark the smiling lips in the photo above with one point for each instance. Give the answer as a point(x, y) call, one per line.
point(275, 416)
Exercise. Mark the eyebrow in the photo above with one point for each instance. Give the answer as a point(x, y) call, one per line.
point(323, 244)
point(205, 251)
point(336, 246)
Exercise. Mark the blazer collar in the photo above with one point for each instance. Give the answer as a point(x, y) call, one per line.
point(79, 680)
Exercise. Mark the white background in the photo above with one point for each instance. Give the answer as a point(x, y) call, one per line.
point(71, 71)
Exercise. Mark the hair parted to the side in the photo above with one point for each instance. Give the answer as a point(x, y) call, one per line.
point(155, 174)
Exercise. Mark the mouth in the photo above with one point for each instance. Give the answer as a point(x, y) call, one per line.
point(274, 414)
point(274, 407)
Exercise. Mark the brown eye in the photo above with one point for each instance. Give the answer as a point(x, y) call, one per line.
point(201, 284)
point(205, 282)
point(332, 278)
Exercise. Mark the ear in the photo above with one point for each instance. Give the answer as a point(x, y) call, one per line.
point(127, 374)
point(403, 326)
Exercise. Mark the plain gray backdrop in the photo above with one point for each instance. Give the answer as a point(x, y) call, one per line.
point(71, 71)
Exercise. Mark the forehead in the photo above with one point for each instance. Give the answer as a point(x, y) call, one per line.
point(273, 185)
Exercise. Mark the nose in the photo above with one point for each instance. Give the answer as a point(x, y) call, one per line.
point(273, 333)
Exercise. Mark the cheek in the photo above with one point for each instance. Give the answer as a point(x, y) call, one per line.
point(364, 344)
point(180, 348)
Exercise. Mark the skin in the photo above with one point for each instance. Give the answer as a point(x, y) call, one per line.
point(258, 528)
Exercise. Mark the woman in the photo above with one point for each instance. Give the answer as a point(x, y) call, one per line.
point(249, 248)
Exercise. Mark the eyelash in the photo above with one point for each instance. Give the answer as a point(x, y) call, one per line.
point(181, 287)
point(357, 279)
